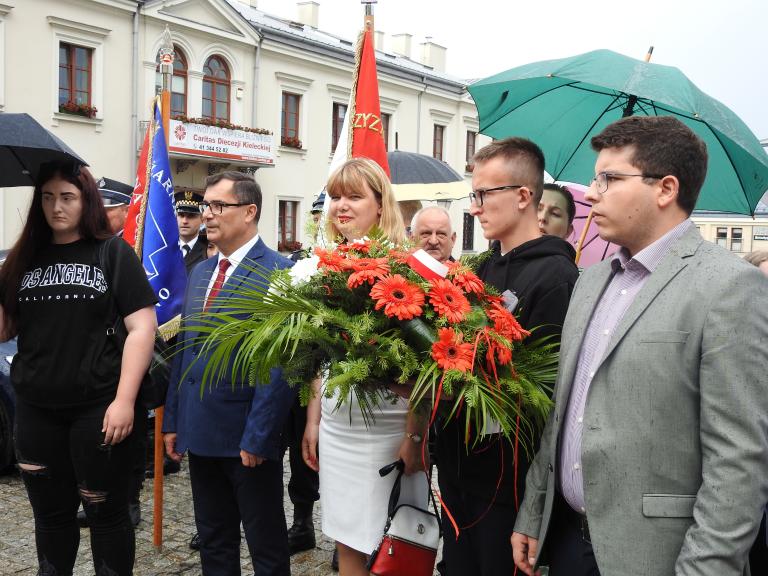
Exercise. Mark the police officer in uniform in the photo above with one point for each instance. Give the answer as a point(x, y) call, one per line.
point(192, 243)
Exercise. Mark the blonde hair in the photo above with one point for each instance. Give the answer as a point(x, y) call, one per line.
point(353, 175)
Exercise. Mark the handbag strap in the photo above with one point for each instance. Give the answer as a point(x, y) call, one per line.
point(106, 268)
point(394, 495)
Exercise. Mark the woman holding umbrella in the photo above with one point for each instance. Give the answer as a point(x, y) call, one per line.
point(76, 385)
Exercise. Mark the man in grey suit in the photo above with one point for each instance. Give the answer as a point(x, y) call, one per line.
point(653, 459)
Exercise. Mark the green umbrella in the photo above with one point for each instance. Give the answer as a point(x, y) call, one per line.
point(561, 104)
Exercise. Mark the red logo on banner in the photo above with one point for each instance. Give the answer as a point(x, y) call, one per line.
point(180, 132)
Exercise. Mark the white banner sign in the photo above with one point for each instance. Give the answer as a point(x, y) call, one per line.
point(214, 142)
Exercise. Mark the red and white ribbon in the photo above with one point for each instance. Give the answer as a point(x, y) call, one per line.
point(426, 266)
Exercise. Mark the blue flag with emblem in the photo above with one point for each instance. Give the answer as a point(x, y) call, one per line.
point(159, 233)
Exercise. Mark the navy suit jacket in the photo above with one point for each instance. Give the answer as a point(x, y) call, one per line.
point(228, 416)
point(197, 254)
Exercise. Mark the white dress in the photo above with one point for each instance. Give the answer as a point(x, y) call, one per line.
point(353, 496)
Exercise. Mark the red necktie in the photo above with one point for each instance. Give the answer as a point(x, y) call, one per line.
point(218, 283)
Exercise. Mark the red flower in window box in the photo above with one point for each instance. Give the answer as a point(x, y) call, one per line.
point(78, 109)
point(290, 246)
point(290, 142)
point(219, 124)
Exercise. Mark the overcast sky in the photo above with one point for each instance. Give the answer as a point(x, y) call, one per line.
point(721, 45)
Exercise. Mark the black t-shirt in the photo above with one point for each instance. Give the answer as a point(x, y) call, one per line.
point(65, 357)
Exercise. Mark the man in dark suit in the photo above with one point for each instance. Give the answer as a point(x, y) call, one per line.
point(232, 431)
point(189, 219)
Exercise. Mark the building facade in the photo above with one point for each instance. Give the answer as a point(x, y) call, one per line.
point(739, 234)
point(279, 87)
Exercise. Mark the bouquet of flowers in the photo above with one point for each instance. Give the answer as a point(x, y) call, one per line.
point(369, 314)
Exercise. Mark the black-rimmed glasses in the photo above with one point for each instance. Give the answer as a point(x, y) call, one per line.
point(477, 196)
point(601, 179)
point(217, 207)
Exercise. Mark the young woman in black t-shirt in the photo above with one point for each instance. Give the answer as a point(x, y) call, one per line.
point(76, 390)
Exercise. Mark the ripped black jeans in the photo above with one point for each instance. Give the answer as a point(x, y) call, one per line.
point(63, 460)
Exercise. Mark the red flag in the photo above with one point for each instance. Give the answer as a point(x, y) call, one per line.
point(367, 131)
point(131, 221)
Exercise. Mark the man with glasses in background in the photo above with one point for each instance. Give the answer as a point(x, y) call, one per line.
point(536, 274)
point(652, 462)
point(231, 430)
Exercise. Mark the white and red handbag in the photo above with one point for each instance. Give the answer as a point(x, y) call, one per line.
point(411, 536)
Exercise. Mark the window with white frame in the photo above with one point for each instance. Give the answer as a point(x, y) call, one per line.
point(293, 121)
point(389, 107)
point(721, 236)
point(75, 71)
point(79, 68)
point(287, 224)
point(468, 233)
point(736, 239)
point(337, 123)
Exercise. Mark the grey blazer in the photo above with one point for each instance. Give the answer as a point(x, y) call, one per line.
point(675, 440)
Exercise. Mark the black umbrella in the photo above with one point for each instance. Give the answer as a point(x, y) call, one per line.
point(24, 146)
point(420, 177)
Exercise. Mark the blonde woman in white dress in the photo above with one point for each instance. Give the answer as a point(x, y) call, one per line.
point(352, 494)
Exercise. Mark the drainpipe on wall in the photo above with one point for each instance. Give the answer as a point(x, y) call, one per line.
point(418, 115)
point(255, 89)
point(135, 87)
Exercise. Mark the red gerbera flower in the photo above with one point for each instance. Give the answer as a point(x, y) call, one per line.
point(491, 298)
point(503, 354)
point(363, 246)
point(398, 297)
point(468, 280)
point(505, 323)
point(448, 300)
point(399, 256)
point(367, 270)
point(450, 352)
point(330, 261)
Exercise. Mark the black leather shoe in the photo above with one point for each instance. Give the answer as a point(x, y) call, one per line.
point(169, 467)
point(335, 560)
point(82, 519)
point(301, 536)
point(194, 544)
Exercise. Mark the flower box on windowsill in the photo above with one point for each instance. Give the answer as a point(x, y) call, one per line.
point(78, 109)
point(220, 124)
point(289, 246)
point(290, 142)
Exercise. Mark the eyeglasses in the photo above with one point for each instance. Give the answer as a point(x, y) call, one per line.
point(217, 207)
point(477, 196)
point(600, 181)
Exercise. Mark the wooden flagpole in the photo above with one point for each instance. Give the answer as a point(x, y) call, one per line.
point(166, 69)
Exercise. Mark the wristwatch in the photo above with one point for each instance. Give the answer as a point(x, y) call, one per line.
point(417, 438)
